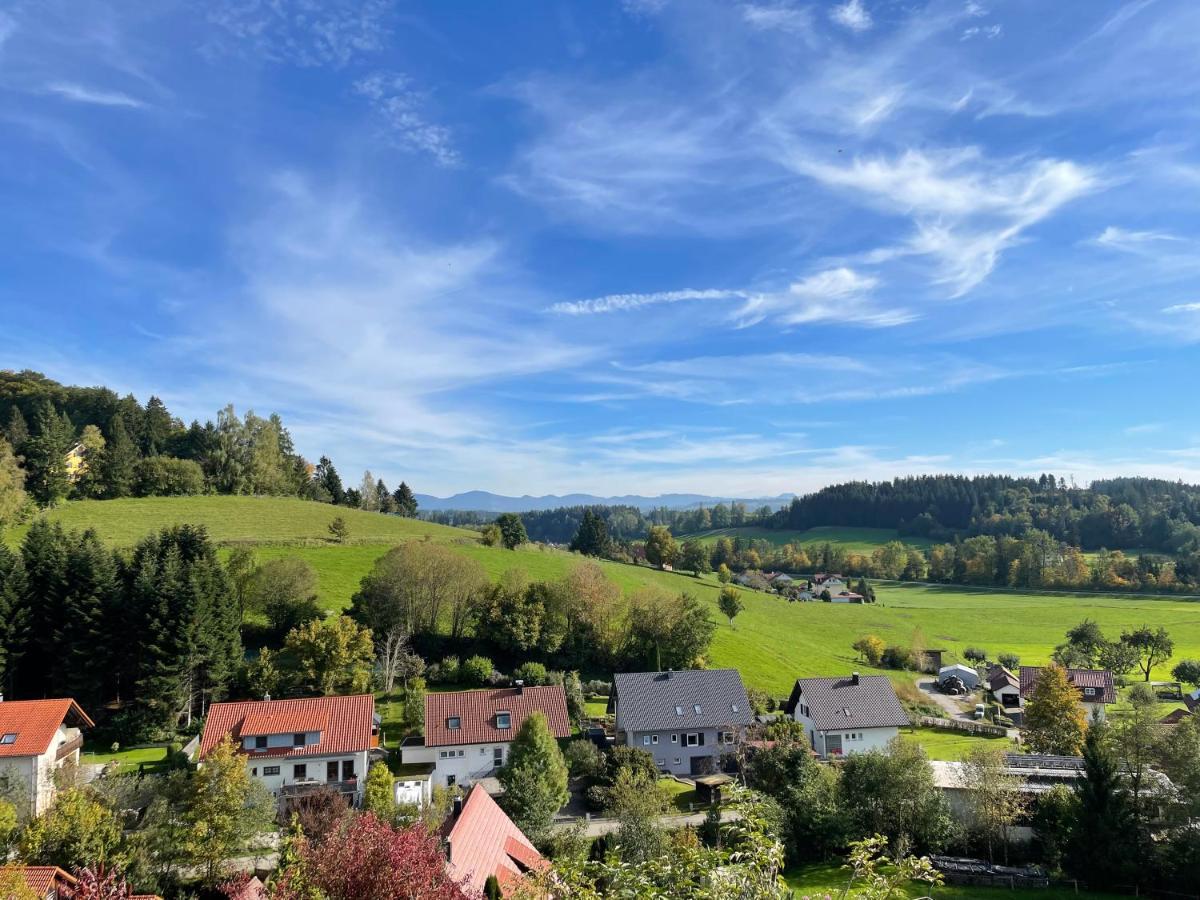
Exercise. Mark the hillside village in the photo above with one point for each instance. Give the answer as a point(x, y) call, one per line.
point(509, 736)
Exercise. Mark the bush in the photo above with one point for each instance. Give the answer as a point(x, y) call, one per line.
point(1009, 660)
point(975, 654)
point(531, 673)
point(895, 657)
point(597, 688)
point(584, 759)
point(448, 671)
point(760, 701)
point(476, 671)
point(870, 648)
point(165, 476)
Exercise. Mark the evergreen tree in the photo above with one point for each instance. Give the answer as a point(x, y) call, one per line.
point(45, 455)
point(406, 502)
point(157, 426)
point(1100, 846)
point(378, 795)
point(512, 530)
point(118, 471)
point(534, 779)
point(592, 537)
point(13, 499)
point(384, 501)
point(14, 613)
point(327, 476)
point(17, 431)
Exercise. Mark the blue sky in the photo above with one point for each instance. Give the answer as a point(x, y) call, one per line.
point(735, 248)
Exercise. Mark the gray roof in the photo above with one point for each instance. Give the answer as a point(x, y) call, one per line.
point(837, 703)
point(667, 701)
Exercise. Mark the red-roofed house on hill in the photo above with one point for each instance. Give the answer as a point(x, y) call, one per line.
point(293, 746)
point(1095, 688)
point(37, 737)
point(468, 733)
point(482, 841)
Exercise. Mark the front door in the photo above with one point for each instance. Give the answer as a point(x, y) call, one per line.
point(833, 744)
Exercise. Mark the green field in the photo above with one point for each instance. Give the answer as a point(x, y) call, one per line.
point(951, 745)
point(830, 878)
point(772, 641)
point(854, 540)
point(152, 758)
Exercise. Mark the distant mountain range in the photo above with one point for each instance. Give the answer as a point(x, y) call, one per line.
point(485, 501)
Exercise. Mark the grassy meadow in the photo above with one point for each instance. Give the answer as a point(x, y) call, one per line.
point(772, 641)
point(823, 879)
point(853, 540)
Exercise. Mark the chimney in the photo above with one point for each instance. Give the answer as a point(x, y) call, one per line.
point(267, 696)
point(519, 685)
point(854, 678)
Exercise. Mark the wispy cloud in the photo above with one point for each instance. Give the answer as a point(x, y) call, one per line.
point(852, 15)
point(782, 17)
point(1183, 308)
point(78, 93)
point(625, 302)
point(399, 105)
point(1125, 239)
point(301, 32)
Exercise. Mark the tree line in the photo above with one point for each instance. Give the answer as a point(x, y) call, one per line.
point(133, 450)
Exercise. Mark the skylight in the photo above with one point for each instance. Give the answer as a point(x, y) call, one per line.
point(10, 738)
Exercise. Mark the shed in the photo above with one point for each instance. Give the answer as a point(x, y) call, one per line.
point(968, 676)
point(708, 787)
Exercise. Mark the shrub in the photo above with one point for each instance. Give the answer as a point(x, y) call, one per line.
point(584, 759)
point(870, 648)
point(531, 673)
point(597, 688)
point(1009, 660)
point(896, 657)
point(165, 476)
point(975, 654)
point(476, 670)
point(448, 671)
point(759, 700)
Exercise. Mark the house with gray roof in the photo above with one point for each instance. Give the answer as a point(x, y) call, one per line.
point(847, 714)
point(685, 719)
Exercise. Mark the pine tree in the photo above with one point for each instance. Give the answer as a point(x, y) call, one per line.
point(14, 613)
point(592, 537)
point(119, 467)
point(45, 455)
point(378, 793)
point(13, 499)
point(157, 426)
point(327, 476)
point(17, 431)
point(406, 501)
point(534, 779)
point(1100, 846)
point(82, 637)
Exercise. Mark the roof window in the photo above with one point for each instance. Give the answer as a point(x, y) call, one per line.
point(679, 710)
point(454, 723)
point(504, 720)
point(10, 738)
point(697, 708)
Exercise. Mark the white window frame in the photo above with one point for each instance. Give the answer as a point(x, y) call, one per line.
point(726, 737)
point(654, 738)
point(691, 739)
point(674, 739)
point(645, 740)
point(507, 721)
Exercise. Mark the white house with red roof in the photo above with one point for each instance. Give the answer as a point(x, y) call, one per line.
point(292, 746)
point(38, 737)
point(468, 733)
point(482, 841)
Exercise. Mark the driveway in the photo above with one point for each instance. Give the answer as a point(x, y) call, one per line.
point(954, 707)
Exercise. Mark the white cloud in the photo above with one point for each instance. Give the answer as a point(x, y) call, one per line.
point(777, 17)
point(852, 15)
point(399, 104)
point(624, 302)
point(988, 32)
point(1124, 239)
point(1182, 308)
point(301, 32)
point(78, 93)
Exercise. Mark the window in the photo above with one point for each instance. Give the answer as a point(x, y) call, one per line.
point(679, 710)
point(654, 739)
point(298, 740)
point(645, 740)
point(660, 762)
point(691, 740)
point(299, 771)
point(451, 780)
point(697, 708)
point(331, 770)
point(260, 742)
point(726, 737)
point(674, 739)
point(254, 772)
point(270, 770)
point(678, 761)
point(497, 756)
point(734, 705)
point(347, 770)
point(454, 723)
point(10, 738)
point(1089, 692)
point(503, 720)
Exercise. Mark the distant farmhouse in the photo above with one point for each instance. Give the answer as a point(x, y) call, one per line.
point(848, 714)
point(1095, 688)
point(684, 719)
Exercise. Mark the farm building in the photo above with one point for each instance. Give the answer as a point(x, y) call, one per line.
point(968, 676)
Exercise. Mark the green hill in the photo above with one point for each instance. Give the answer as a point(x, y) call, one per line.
point(772, 641)
point(855, 540)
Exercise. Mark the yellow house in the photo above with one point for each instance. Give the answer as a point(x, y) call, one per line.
point(76, 462)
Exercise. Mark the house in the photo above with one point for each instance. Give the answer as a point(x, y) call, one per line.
point(821, 582)
point(779, 579)
point(296, 746)
point(38, 737)
point(1095, 688)
point(75, 463)
point(468, 733)
point(481, 841)
point(847, 714)
point(844, 597)
point(1005, 688)
point(684, 719)
point(968, 676)
point(47, 882)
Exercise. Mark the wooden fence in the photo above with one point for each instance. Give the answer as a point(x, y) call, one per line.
point(964, 725)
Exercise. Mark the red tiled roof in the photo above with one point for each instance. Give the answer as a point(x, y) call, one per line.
point(483, 841)
point(477, 712)
point(42, 879)
point(35, 723)
point(345, 723)
point(1081, 678)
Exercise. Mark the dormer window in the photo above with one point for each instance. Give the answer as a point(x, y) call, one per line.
point(504, 720)
point(10, 738)
point(697, 708)
point(679, 710)
point(299, 740)
point(454, 723)
point(734, 705)
point(1089, 692)
point(260, 742)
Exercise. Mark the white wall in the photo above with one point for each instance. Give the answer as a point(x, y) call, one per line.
point(467, 763)
point(854, 740)
point(315, 769)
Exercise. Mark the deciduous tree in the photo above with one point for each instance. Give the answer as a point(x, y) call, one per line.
point(1054, 719)
point(512, 530)
point(730, 603)
point(661, 549)
point(1153, 646)
point(333, 656)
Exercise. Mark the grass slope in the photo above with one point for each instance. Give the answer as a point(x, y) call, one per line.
point(855, 540)
point(772, 642)
point(830, 879)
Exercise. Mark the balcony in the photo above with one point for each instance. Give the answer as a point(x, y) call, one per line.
point(68, 747)
point(308, 786)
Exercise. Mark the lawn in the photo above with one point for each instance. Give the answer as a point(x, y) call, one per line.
point(855, 540)
point(130, 760)
point(597, 709)
point(682, 796)
point(830, 878)
point(945, 744)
